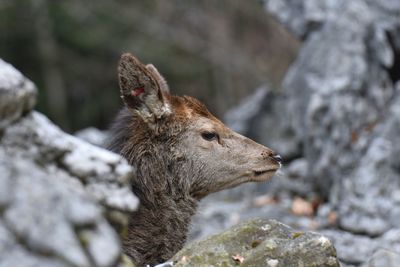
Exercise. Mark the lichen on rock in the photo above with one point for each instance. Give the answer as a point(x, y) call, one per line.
point(259, 243)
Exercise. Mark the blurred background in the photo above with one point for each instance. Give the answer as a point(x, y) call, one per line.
point(218, 51)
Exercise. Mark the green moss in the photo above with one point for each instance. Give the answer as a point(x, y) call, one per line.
point(83, 238)
point(126, 261)
point(257, 241)
point(297, 234)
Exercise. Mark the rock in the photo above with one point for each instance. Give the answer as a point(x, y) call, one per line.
point(93, 136)
point(302, 17)
point(351, 249)
point(17, 94)
point(357, 249)
point(342, 101)
point(14, 254)
point(62, 200)
point(383, 257)
point(369, 197)
point(259, 243)
point(339, 86)
point(36, 138)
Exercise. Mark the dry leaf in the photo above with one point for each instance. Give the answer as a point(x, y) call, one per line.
point(302, 207)
point(263, 200)
point(184, 259)
point(332, 217)
point(238, 258)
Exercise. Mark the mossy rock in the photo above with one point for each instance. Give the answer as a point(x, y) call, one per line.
point(259, 243)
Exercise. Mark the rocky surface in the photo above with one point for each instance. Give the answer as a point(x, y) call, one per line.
point(62, 201)
point(17, 94)
point(339, 86)
point(355, 249)
point(259, 243)
point(343, 98)
point(93, 136)
point(383, 257)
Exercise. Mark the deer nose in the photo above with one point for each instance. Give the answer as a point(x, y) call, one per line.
point(278, 158)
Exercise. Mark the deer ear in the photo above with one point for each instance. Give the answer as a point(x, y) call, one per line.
point(141, 88)
point(160, 79)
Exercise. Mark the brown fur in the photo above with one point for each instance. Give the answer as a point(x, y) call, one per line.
point(175, 166)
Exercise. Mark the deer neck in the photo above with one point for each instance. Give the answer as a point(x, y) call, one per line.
point(158, 229)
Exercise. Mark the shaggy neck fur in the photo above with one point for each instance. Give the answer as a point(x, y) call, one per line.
point(158, 229)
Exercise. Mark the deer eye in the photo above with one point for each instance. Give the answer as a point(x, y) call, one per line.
point(210, 136)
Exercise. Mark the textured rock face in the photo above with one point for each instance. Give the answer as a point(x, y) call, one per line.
point(302, 17)
point(17, 94)
point(259, 243)
point(383, 258)
point(62, 201)
point(342, 96)
point(93, 136)
point(339, 86)
point(340, 89)
point(356, 249)
point(370, 195)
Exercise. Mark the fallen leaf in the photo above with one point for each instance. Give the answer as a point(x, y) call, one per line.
point(302, 207)
point(332, 217)
point(238, 258)
point(184, 259)
point(263, 200)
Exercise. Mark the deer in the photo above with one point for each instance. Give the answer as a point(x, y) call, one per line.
point(181, 153)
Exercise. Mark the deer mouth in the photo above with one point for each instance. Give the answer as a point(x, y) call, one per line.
point(262, 175)
point(258, 173)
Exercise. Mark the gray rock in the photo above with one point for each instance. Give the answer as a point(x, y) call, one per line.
point(259, 243)
point(383, 257)
point(351, 249)
point(369, 201)
point(17, 94)
point(341, 105)
point(62, 200)
point(65, 222)
point(93, 136)
point(303, 17)
point(357, 249)
point(15, 254)
point(35, 137)
point(339, 87)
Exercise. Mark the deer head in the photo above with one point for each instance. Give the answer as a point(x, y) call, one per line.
point(177, 145)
